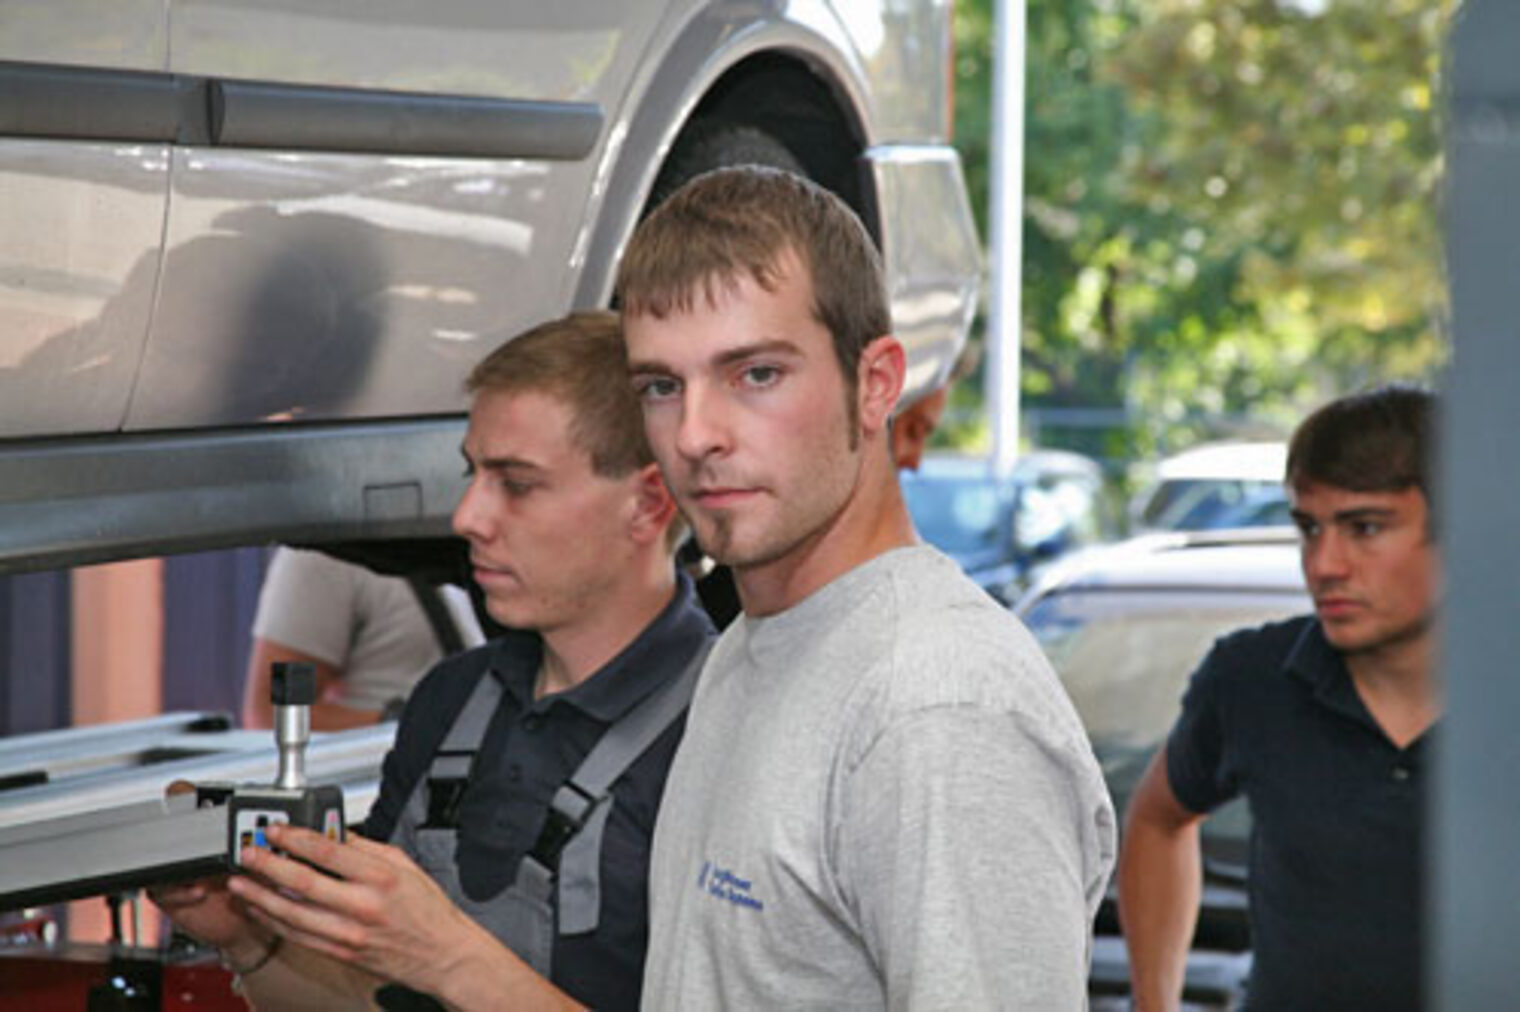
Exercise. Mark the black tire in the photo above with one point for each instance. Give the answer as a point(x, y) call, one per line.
point(717, 144)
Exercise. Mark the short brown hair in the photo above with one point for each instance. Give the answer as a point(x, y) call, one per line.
point(729, 223)
point(579, 359)
point(1379, 440)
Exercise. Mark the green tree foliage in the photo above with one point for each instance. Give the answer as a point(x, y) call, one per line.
point(1231, 206)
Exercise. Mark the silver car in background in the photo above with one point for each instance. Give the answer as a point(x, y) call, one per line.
point(1125, 626)
point(249, 248)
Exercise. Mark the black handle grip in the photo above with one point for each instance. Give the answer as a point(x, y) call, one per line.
point(292, 683)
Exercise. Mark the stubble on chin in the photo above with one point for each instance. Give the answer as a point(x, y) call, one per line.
point(722, 545)
point(718, 542)
point(1353, 644)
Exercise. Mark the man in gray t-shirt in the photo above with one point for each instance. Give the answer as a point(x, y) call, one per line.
point(366, 635)
point(884, 798)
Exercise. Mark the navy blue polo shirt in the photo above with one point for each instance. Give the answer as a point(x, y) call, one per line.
point(530, 749)
point(1336, 809)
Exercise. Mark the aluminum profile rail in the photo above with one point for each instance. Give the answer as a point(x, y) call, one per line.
point(117, 829)
point(48, 756)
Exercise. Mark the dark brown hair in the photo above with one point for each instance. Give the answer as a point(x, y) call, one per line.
point(1379, 440)
point(731, 223)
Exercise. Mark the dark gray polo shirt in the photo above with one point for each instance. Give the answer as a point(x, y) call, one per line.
point(1336, 855)
point(531, 748)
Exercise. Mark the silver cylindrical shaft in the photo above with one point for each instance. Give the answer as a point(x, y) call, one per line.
point(292, 732)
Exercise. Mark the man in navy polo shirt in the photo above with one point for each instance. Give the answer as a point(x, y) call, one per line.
point(515, 863)
point(1322, 722)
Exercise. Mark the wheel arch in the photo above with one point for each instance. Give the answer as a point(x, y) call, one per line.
point(781, 96)
point(776, 77)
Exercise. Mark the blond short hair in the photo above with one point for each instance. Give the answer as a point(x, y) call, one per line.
point(579, 359)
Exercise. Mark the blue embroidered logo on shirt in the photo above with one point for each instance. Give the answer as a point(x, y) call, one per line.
point(723, 884)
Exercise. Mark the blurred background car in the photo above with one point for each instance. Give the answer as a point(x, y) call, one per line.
point(1002, 531)
point(1215, 486)
point(1125, 625)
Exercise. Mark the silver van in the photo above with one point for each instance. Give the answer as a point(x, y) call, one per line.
point(249, 248)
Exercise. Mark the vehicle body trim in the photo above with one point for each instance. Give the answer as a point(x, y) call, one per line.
point(77, 103)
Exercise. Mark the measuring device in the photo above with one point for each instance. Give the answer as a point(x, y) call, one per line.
point(290, 800)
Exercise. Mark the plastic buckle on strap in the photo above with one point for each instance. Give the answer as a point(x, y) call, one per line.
point(443, 800)
point(571, 808)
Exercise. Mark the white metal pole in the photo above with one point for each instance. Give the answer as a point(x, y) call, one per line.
point(1006, 216)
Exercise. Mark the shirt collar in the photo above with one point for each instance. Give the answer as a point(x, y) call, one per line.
point(1319, 665)
point(1314, 661)
point(657, 654)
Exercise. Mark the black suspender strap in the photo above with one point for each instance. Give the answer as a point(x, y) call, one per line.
point(454, 761)
point(571, 841)
point(567, 856)
point(445, 629)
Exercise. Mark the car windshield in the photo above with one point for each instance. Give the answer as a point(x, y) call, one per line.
point(956, 515)
point(1202, 503)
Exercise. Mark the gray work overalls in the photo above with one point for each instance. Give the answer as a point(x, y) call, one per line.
point(562, 871)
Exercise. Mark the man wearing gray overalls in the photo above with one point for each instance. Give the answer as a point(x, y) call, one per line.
point(520, 797)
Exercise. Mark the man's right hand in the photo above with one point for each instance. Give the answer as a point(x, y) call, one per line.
point(207, 912)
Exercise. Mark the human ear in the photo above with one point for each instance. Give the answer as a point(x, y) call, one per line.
point(879, 381)
point(653, 507)
point(916, 425)
point(910, 432)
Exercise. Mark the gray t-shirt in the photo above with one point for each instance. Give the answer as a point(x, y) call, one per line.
point(884, 799)
point(368, 626)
